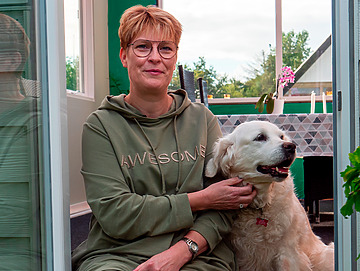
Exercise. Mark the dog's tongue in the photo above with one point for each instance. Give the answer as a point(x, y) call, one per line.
point(283, 170)
point(274, 171)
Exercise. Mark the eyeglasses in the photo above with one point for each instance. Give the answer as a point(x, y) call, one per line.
point(143, 48)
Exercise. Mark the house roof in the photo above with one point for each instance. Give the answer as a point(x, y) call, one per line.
point(309, 62)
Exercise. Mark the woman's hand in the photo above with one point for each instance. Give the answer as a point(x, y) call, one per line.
point(171, 259)
point(223, 195)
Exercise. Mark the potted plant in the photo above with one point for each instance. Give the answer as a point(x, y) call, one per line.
point(287, 76)
point(351, 176)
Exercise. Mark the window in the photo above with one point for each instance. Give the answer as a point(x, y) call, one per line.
point(233, 45)
point(79, 47)
point(314, 74)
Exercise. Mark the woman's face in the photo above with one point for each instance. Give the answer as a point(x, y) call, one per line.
point(150, 73)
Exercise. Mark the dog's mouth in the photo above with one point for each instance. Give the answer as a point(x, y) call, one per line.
point(280, 170)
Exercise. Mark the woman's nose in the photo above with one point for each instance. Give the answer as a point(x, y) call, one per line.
point(154, 54)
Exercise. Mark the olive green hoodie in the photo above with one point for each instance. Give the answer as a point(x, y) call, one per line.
point(137, 173)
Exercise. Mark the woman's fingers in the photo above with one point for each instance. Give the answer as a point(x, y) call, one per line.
point(244, 190)
point(231, 181)
point(229, 194)
point(246, 200)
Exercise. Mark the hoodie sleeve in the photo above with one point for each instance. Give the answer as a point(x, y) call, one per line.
point(213, 224)
point(121, 213)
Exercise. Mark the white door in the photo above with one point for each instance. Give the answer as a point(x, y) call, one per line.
point(346, 46)
point(34, 206)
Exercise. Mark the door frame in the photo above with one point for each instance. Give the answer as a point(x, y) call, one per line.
point(345, 41)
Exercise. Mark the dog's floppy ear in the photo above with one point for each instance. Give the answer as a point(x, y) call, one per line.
point(222, 158)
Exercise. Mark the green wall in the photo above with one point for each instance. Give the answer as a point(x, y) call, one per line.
point(289, 108)
point(118, 76)
point(297, 172)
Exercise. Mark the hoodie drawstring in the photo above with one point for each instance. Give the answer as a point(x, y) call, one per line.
point(156, 157)
point(178, 150)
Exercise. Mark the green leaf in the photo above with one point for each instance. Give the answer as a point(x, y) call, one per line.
point(347, 209)
point(260, 103)
point(355, 158)
point(356, 184)
point(261, 108)
point(270, 106)
point(352, 184)
point(357, 201)
point(350, 173)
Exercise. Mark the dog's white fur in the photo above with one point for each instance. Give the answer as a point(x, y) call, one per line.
point(287, 242)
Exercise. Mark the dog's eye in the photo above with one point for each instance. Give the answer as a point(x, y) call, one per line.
point(260, 137)
point(282, 137)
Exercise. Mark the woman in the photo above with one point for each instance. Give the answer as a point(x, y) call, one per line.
point(143, 161)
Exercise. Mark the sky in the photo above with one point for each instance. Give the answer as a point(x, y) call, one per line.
point(231, 34)
point(72, 28)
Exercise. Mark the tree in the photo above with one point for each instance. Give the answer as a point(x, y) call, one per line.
point(295, 51)
point(216, 83)
point(72, 73)
point(235, 88)
point(262, 77)
point(207, 73)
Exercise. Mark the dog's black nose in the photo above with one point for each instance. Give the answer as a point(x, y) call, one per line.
point(289, 147)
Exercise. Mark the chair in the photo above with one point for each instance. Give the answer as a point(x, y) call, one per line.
point(187, 82)
point(203, 91)
point(318, 182)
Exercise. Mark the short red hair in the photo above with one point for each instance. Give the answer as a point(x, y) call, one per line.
point(139, 19)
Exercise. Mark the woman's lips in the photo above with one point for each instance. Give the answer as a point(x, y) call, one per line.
point(154, 71)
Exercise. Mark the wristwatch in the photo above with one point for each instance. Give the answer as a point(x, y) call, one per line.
point(193, 246)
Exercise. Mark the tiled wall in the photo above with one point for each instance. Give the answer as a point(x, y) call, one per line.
point(312, 133)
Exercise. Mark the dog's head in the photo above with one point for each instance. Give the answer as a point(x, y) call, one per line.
point(257, 151)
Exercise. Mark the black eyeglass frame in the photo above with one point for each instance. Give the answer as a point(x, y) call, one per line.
point(152, 41)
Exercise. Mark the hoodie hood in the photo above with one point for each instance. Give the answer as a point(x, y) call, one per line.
point(117, 103)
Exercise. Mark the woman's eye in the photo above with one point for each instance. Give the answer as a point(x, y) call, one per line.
point(260, 137)
point(142, 47)
point(166, 48)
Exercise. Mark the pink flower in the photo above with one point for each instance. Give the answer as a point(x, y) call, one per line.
point(287, 76)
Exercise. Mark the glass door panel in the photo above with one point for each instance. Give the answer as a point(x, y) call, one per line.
point(23, 242)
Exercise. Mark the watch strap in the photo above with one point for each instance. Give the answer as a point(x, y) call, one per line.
point(192, 245)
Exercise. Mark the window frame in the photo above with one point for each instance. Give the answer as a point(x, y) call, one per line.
point(87, 59)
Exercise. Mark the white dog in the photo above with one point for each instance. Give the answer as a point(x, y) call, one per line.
point(273, 232)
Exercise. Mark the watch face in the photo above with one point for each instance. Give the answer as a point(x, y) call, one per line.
point(194, 247)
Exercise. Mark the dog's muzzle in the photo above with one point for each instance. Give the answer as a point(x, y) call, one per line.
point(281, 170)
point(289, 150)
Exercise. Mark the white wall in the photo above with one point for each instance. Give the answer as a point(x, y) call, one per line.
point(79, 108)
point(321, 70)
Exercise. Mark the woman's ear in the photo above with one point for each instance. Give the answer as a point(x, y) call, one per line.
point(123, 57)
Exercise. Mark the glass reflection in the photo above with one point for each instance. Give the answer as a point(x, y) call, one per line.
point(20, 182)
